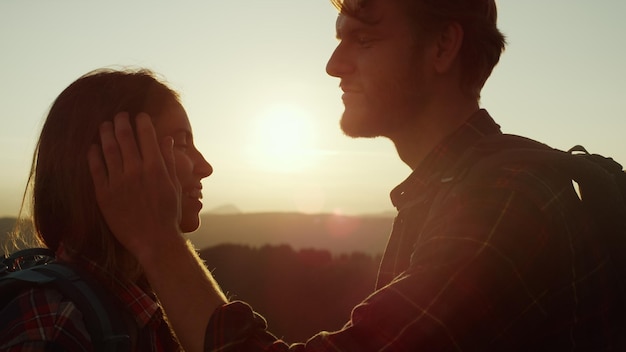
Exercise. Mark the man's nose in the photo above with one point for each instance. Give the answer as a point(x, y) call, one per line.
point(338, 65)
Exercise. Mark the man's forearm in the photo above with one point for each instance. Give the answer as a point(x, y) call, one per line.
point(185, 288)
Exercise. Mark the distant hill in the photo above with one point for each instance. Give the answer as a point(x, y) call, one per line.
point(6, 225)
point(338, 234)
point(225, 209)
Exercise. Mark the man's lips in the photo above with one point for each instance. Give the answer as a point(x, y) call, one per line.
point(351, 94)
point(195, 192)
point(349, 89)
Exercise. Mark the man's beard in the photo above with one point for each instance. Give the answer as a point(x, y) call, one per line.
point(370, 123)
point(390, 111)
point(362, 125)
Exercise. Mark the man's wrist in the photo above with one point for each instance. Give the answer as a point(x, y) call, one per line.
point(159, 247)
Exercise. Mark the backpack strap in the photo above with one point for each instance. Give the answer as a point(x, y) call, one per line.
point(24, 259)
point(103, 318)
point(608, 164)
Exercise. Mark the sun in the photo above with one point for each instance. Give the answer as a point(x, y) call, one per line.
point(283, 139)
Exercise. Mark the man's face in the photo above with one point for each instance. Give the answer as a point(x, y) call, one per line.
point(382, 71)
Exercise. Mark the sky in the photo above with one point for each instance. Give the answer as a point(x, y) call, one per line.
point(249, 71)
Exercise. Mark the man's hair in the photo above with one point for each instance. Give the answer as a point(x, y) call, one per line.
point(482, 41)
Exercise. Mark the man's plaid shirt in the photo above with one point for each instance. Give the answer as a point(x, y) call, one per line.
point(507, 262)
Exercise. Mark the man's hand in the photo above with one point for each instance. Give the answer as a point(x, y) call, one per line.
point(139, 195)
point(135, 184)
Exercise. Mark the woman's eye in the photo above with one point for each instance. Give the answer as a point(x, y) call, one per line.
point(180, 143)
point(182, 146)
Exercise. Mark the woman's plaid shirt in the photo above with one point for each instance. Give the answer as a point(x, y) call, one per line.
point(42, 319)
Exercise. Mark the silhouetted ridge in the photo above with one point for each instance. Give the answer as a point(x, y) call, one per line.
point(337, 233)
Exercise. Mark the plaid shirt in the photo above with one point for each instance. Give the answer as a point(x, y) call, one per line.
point(44, 320)
point(504, 263)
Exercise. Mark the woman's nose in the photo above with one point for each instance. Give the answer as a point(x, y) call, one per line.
point(203, 168)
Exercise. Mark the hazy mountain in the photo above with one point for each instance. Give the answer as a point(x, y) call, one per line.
point(225, 209)
point(338, 234)
point(6, 225)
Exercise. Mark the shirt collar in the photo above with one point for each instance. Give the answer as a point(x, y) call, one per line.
point(443, 156)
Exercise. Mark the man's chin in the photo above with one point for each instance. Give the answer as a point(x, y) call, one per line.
point(359, 126)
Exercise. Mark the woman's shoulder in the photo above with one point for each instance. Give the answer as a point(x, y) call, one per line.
point(41, 317)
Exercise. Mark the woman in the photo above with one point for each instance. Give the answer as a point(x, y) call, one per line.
point(67, 218)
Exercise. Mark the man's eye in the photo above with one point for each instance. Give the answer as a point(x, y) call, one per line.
point(364, 40)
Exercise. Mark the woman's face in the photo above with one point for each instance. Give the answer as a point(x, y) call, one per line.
point(191, 167)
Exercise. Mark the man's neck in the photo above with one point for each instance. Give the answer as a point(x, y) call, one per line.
point(417, 140)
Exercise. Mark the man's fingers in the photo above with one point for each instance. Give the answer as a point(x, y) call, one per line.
point(150, 149)
point(167, 150)
point(97, 168)
point(111, 151)
point(131, 157)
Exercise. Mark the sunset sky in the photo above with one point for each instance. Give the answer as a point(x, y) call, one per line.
point(264, 112)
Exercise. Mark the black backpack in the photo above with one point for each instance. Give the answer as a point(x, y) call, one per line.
point(601, 185)
point(36, 267)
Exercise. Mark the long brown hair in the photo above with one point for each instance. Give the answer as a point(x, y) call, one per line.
point(63, 202)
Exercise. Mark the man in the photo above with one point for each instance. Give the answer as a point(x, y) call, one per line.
point(485, 259)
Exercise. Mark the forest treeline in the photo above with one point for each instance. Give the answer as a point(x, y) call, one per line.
point(299, 292)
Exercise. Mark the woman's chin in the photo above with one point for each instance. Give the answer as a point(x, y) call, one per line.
point(190, 215)
point(190, 225)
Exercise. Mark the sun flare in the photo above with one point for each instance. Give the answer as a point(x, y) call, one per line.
point(283, 139)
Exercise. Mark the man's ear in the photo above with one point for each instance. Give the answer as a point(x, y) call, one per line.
point(448, 44)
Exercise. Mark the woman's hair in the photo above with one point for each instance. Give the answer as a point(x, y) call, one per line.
point(482, 40)
point(63, 203)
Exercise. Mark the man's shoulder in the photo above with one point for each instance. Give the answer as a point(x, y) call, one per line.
point(505, 166)
point(507, 161)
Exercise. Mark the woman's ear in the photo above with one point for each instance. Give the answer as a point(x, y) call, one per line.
point(448, 44)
